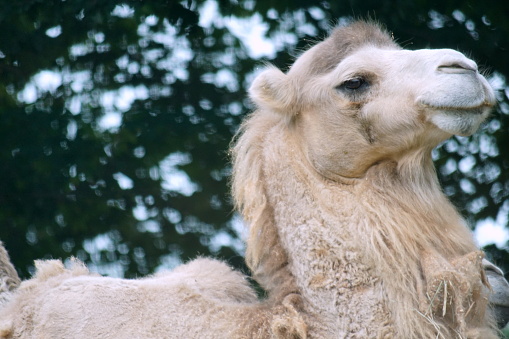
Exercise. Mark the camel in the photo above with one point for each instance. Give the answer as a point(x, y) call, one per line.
point(350, 233)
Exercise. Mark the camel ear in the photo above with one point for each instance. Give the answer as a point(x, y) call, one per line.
point(273, 90)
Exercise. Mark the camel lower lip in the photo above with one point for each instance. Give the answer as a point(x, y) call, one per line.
point(458, 121)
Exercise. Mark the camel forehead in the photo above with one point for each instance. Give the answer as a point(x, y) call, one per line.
point(374, 57)
point(342, 42)
point(359, 34)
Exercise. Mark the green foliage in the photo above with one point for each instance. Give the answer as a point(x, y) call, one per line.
point(505, 333)
point(66, 179)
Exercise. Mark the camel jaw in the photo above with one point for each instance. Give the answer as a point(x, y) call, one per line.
point(459, 121)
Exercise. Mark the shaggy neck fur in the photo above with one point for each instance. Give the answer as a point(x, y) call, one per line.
point(9, 279)
point(324, 226)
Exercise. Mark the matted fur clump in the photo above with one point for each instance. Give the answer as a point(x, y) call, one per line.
point(350, 233)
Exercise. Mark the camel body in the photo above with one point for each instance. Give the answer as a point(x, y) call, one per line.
point(73, 303)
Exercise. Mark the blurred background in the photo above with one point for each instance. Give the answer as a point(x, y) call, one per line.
point(116, 117)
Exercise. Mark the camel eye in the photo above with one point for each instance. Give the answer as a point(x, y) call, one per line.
point(354, 83)
point(355, 88)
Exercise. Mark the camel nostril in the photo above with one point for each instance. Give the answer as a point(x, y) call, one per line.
point(457, 67)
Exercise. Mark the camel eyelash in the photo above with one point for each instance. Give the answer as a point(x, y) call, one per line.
point(354, 84)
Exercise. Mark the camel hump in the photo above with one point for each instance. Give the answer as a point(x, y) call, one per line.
point(215, 279)
point(47, 269)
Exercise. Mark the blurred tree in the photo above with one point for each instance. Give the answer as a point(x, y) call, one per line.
point(115, 118)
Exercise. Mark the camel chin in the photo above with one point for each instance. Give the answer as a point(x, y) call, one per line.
point(463, 122)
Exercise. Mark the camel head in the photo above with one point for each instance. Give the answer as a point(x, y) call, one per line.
point(357, 99)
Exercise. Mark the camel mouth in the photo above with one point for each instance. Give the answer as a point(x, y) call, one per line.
point(469, 93)
point(479, 109)
point(474, 110)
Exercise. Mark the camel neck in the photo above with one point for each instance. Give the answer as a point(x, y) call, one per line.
point(324, 227)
